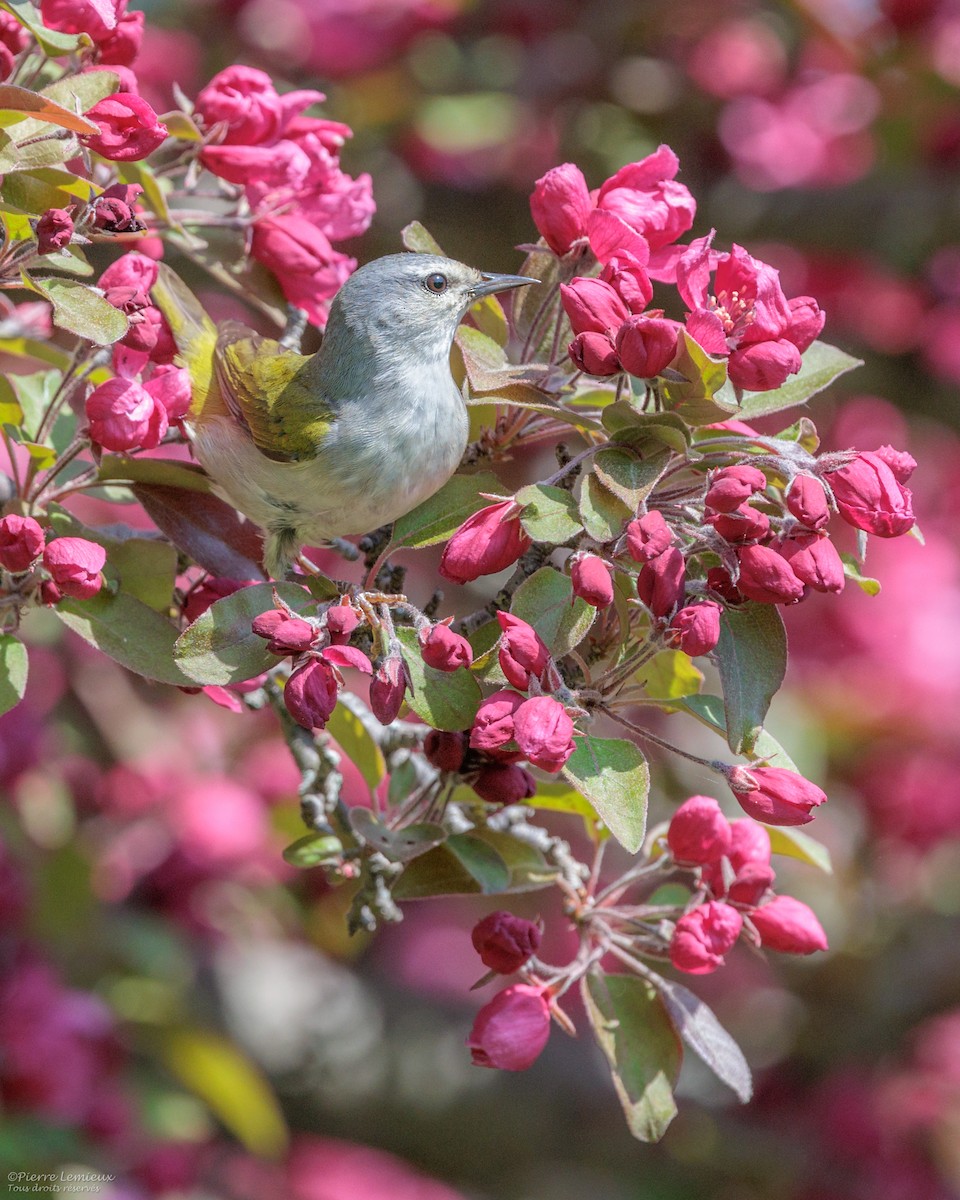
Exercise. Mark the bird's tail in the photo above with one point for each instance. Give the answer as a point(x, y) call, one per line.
point(195, 335)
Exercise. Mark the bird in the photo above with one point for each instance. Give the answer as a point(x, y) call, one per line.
point(316, 447)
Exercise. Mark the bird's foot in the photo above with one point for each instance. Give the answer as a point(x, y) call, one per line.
point(294, 329)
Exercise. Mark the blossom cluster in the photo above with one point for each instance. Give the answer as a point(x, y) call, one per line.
point(50, 569)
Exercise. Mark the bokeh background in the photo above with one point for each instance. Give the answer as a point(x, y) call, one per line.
point(175, 997)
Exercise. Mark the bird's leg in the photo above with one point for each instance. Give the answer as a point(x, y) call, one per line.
point(294, 329)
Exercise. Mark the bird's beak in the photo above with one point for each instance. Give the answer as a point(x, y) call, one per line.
point(490, 283)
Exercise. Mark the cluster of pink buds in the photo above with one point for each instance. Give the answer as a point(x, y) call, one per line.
point(64, 566)
point(731, 860)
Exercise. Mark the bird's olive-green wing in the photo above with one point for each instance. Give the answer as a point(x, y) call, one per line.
point(268, 389)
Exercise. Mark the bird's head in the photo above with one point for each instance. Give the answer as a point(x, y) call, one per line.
point(414, 300)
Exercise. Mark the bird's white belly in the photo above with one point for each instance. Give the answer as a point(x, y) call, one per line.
point(356, 483)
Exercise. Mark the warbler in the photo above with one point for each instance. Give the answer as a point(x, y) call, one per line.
point(315, 447)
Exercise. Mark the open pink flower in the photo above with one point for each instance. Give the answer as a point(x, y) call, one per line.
point(244, 101)
point(129, 128)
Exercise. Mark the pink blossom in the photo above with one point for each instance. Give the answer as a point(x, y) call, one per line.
point(21, 542)
point(749, 861)
point(282, 164)
point(628, 277)
point(697, 627)
point(814, 560)
point(245, 101)
point(129, 128)
point(647, 345)
point(170, 387)
point(387, 689)
point(560, 205)
point(789, 926)
point(126, 284)
point(285, 634)
point(504, 783)
point(123, 414)
point(445, 751)
point(75, 565)
point(594, 353)
point(731, 486)
point(54, 230)
point(511, 1030)
point(505, 942)
point(544, 732)
point(113, 209)
point(12, 34)
point(96, 17)
point(310, 694)
point(489, 541)
point(522, 653)
point(121, 45)
point(661, 582)
point(493, 725)
point(591, 580)
point(699, 832)
point(593, 306)
point(445, 650)
point(744, 524)
point(766, 576)
point(342, 620)
point(774, 795)
point(900, 462)
point(870, 497)
point(807, 501)
point(648, 537)
point(308, 269)
point(702, 937)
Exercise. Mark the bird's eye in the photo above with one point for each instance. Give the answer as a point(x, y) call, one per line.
point(436, 283)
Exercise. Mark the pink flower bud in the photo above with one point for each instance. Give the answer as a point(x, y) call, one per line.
point(698, 627)
point(123, 414)
point(445, 650)
point(310, 694)
point(591, 580)
point(113, 209)
point(628, 277)
point(594, 353)
point(489, 541)
point(744, 524)
point(593, 306)
point(807, 501)
point(660, 584)
point(646, 346)
point(493, 724)
point(285, 635)
point(749, 861)
point(129, 128)
point(763, 366)
point(789, 926)
point(560, 205)
point(511, 1030)
point(814, 560)
point(703, 937)
point(870, 497)
point(282, 165)
point(21, 541)
point(387, 689)
point(522, 654)
point(774, 795)
point(54, 230)
point(341, 622)
point(699, 832)
point(900, 462)
point(766, 576)
point(170, 387)
point(75, 565)
point(648, 537)
point(299, 253)
point(96, 17)
point(806, 321)
point(505, 942)
point(731, 486)
point(121, 45)
point(445, 751)
point(126, 285)
point(504, 783)
point(544, 732)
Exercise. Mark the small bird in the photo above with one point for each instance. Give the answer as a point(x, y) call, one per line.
point(315, 447)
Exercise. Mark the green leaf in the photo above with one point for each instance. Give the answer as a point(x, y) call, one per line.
point(482, 862)
point(851, 569)
point(230, 1085)
point(313, 850)
point(415, 237)
point(13, 671)
point(170, 472)
point(11, 413)
point(350, 734)
point(446, 700)
point(613, 775)
point(559, 797)
point(40, 106)
point(81, 92)
point(36, 191)
point(822, 364)
point(398, 845)
point(603, 514)
point(629, 476)
point(709, 711)
point(634, 1030)
point(437, 518)
point(147, 568)
point(794, 843)
point(549, 514)
point(696, 396)
point(80, 310)
point(669, 675)
point(36, 144)
point(129, 632)
point(643, 430)
point(490, 319)
point(21, 347)
point(752, 657)
point(53, 42)
point(698, 1026)
point(546, 601)
point(181, 126)
point(443, 872)
point(220, 646)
